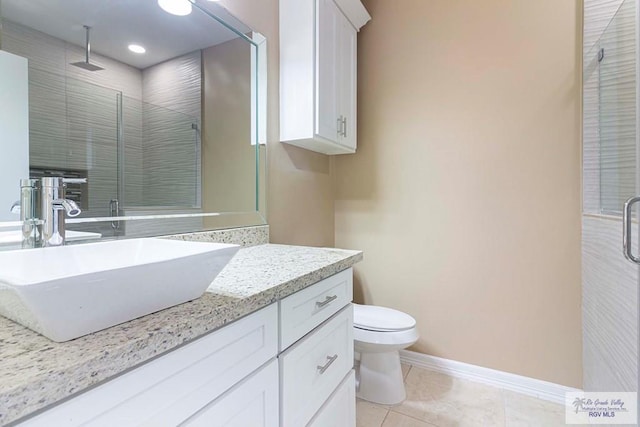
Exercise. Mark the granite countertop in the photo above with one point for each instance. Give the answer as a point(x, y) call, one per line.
point(36, 372)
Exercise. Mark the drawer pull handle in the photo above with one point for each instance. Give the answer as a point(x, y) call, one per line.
point(330, 360)
point(326, 301)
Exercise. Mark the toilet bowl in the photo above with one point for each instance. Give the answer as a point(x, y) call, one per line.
point(379, 334)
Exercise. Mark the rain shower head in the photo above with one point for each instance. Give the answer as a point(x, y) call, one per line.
point(86, 64)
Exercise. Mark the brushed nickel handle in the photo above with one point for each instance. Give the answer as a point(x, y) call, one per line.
point(344, 127)
point(330, 360)
point(340, 125)
point(626, 229)
point(327, 300)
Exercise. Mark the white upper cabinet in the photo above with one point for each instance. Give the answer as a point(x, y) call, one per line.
point(318, 73)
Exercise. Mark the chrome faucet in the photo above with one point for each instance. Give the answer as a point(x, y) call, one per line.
point(53, 206)
point(27, 207)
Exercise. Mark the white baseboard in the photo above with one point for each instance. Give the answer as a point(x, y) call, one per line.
point(518, 383)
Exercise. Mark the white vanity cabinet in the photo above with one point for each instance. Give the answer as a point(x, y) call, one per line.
point(224, 376)
point(313, 368)
point(339, 410)
point(318, 73)
point(289, 364)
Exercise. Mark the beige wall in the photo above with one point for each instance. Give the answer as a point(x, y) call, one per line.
point(228, 158)
point(300, 193)
point(465, 191)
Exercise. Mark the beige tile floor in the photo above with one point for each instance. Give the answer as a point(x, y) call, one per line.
point(435, 399)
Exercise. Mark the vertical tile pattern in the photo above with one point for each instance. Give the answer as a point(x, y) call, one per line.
point(609, 282)
point(171, 145)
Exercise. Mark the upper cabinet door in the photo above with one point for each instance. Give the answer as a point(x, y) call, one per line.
point(328, 27)
point(347, 83)
point(318, 73)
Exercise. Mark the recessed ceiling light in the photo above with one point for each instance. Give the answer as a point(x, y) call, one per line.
point(136, 48)
point(176, 7)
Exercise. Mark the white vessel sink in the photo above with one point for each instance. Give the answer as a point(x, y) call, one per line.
point(70, 291)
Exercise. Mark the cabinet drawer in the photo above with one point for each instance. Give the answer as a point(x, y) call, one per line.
point(253, 402)
point(171, 388)
point(340, 409)
point(304, 310)
point(313, 368)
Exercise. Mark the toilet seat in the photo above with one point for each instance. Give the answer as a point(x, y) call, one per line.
point(381, 319)
point(376, 341)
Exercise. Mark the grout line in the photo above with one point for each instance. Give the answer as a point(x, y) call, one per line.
point(414, 418)
point(503, 395)
point(404, 379)
point(385, 418)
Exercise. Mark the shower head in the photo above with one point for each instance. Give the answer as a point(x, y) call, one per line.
point(86, 64)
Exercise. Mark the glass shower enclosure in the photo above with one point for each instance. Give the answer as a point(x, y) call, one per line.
point(134, 154)
point(610, 178)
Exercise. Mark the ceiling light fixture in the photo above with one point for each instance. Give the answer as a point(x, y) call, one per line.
point(136, 48)
point(176, 7)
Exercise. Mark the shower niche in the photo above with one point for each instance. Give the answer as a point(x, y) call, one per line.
point(117, 94)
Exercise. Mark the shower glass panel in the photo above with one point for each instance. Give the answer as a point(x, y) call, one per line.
point(73, 133)
point(616, 53)
point(136, 153)
point(93, 141)
point(161, 157)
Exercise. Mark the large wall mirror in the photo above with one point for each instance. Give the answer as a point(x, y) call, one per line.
point(158, 104)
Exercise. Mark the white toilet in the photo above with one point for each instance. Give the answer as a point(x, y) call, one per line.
point(379, 333)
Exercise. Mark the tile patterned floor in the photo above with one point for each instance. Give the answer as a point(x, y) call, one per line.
point(435, 399)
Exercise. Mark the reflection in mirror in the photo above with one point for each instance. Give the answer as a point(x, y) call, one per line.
point(159, 112)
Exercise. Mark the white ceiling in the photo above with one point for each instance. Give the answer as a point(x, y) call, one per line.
point(118, 23)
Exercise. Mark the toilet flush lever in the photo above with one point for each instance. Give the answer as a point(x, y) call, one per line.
point(327, 300)
point(330, 360)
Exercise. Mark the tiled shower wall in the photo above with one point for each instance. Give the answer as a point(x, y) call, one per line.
point(609, 281)
point(73, 123)
point(171, 128)
point(58, 136)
